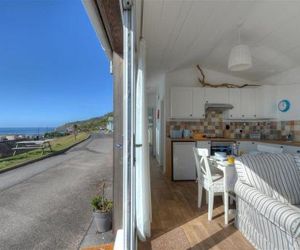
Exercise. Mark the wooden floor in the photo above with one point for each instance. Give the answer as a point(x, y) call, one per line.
point(177, 223)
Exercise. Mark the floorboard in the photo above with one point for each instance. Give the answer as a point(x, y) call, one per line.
point(178, 224)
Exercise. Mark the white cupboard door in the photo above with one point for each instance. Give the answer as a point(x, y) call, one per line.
point(184, 166)
point(260, 103)
point(248, 100)
point(235, 101)
point(198, 103)
point(181, 102)
point(216, 95)
point(268, 101)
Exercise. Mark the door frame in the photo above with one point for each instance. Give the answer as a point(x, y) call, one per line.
point(129, 86)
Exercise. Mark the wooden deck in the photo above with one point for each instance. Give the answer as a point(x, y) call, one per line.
point(178, 224)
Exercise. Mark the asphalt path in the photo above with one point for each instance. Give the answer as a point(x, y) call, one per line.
point(46, 205)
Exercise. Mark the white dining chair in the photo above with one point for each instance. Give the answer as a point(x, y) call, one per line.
point(209, 178)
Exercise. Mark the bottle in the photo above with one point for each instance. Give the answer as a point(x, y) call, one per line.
point(235, 149)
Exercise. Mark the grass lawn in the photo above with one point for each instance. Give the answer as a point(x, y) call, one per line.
point(57, 145)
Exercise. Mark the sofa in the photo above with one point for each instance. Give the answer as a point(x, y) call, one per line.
point(268, 200)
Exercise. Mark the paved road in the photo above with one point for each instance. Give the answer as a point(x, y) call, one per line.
point(45, 205)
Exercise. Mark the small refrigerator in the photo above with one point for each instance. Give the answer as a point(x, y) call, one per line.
point(184, 165)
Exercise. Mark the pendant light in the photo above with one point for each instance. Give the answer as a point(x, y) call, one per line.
point(240, 56)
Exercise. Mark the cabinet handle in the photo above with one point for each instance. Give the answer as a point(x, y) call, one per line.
point(254, 115)
point(230, 115)
point(191, 115)
point(243, 115)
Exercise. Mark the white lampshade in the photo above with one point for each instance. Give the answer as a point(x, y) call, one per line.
point(240, 58)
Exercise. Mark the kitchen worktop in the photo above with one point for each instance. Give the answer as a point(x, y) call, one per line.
point(280, 142)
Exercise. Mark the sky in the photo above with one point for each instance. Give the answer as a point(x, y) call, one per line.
point(52, 67)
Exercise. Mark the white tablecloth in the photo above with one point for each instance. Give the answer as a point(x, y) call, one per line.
point(230, 175)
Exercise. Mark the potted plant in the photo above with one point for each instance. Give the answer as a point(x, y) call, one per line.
point(102, 210)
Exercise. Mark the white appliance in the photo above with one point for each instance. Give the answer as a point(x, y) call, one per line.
point(204, 144)
point(269, 149)
point(184, 166)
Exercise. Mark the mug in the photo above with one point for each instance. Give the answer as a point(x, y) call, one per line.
point(230, 159)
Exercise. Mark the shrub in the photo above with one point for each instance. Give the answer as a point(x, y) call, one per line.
point(99, 203)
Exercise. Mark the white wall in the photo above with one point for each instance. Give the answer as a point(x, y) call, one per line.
point(291, 93)
point(158, 83)
point(287, 85)
point(151, 100)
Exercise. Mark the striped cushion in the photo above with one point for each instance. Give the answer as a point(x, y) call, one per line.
point(275, 175)
point(284, 216)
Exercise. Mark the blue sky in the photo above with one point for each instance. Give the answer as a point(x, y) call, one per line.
point(52, 67)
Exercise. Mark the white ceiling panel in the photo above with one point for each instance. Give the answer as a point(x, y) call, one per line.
point(188, 32)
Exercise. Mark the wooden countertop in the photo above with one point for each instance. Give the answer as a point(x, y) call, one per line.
point(280, 142)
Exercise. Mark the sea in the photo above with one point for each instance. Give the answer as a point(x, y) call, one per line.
point(27, 131)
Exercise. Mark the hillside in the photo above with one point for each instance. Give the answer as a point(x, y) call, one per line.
point(87, 125)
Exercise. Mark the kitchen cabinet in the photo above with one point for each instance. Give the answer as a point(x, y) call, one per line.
point(252, 103)
point(235, 101)
point(248, 103)
point(246, 146)
point(187, 103)
point(181, 102)
point(265, 104)
point(205, 145)
point(216, 95)
point(248, 100)
point(260, 103)
point(243, 102)
point(198, 110)
point(184, 166)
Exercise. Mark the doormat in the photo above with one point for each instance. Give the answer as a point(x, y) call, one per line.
point(109, 246)
point(173, 240)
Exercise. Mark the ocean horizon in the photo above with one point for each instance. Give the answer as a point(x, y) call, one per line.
point(25, 130)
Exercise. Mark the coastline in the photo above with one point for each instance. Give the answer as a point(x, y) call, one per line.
point(27, 131)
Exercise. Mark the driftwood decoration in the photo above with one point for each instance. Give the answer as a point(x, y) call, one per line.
point(221, 85)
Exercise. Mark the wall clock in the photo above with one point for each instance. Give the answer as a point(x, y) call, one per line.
point(284, 105)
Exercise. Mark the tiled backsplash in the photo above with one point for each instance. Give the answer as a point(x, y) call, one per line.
point(214, 126)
